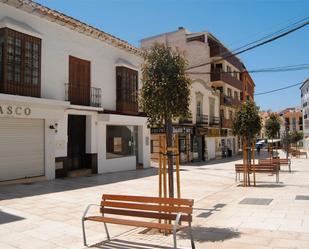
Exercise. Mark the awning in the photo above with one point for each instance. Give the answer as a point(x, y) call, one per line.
point(270, 141)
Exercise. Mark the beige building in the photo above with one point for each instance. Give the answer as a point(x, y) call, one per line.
point(215, 95)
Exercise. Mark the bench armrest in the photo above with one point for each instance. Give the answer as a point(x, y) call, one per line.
point(87, 209)
point(177, 221)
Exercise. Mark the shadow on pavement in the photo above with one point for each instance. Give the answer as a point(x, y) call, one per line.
point(66, 184)
point(209, 211)
point(7, 218)
point(123, 244)
point(210, 234)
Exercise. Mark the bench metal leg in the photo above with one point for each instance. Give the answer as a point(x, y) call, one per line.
point(277, 177)
point(107, 233)
point(84, 233)
point(191, 236)
point(83, 221)
point(175, 229)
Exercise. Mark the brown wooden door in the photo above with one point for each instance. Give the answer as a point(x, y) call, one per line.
point(76, 142)
point(79, 81)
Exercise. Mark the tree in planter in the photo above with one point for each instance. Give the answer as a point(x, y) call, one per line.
point(272, 128)
point(286, 140)
point(165, 94)
point(296, 136)
point(247, 124)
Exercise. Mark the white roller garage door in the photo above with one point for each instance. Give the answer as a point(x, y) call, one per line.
point(21, 148)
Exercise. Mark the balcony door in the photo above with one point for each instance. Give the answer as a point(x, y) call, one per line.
point(79, 81)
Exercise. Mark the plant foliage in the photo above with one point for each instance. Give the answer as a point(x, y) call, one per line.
point(247, 122)
point(165, 94)
point(272, 126)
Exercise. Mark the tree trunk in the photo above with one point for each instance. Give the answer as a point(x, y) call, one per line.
point(169, 142)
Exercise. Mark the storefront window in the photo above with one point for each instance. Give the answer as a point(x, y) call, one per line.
point(120, 141)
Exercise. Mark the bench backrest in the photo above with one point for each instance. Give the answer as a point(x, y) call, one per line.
point(257, 167)
point(147, 207)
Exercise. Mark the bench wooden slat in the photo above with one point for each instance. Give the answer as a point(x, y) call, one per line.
point(133, 223)
point(152, 215)
point(147, 199)
point(148, 207)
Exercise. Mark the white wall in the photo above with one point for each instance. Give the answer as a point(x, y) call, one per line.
point(58, 42)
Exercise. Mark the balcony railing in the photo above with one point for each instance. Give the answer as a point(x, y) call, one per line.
point(214, 121)
point(226, 123)
point(220, 75)
point(228, 100)
point(185, 121)
point(83, 95)
point(202, 120)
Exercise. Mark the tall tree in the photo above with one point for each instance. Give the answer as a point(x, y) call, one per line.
point(247, 123)
point(272, 127)
point(165, 94)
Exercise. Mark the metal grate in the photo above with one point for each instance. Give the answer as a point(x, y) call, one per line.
point(302, 197)
point(256, 201)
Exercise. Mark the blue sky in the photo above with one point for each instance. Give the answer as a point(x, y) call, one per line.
point(234, 22)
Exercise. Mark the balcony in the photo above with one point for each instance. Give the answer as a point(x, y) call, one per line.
point(226, 123)
point(229, 101)
point(185, 121)
point(219, 75)
point(83, 95)
point(202, 120)
point(214, 121)
point(218, 50)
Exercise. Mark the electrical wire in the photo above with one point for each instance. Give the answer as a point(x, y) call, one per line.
point(256, 45)
point(278, 89)
point(264, 70)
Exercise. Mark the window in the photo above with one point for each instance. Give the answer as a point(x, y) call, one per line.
point(127, 84)
point(219, 66)
point(20, 59)
point(235, 95)
point(231, 114)
point(23, 58)
point(228, 69)
point(127, 88)
point(198, 108)
point(120, 141)
point(229, 92)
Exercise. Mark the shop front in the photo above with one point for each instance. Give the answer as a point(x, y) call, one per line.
point(123, 143)
point(185, 138)
point(27, 131)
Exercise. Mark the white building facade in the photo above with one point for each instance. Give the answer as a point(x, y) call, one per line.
point(305, 111)
point(68, 97)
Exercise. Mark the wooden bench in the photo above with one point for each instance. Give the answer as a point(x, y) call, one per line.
point(150, 209)
point(277, 161)
point(296, 153)
point(258, 168)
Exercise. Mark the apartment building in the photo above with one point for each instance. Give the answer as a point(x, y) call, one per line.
point(291, 119)
point(67, 96)
point(305, 111)
point(216, 94)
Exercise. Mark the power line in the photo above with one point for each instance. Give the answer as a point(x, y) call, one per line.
point(266, 36)
point(256, 45)
point(263, 70)
point(278, 89)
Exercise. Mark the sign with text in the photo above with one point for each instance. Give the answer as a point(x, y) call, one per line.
point(11, 110)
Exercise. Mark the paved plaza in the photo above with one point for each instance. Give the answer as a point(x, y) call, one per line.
point(48, 214)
